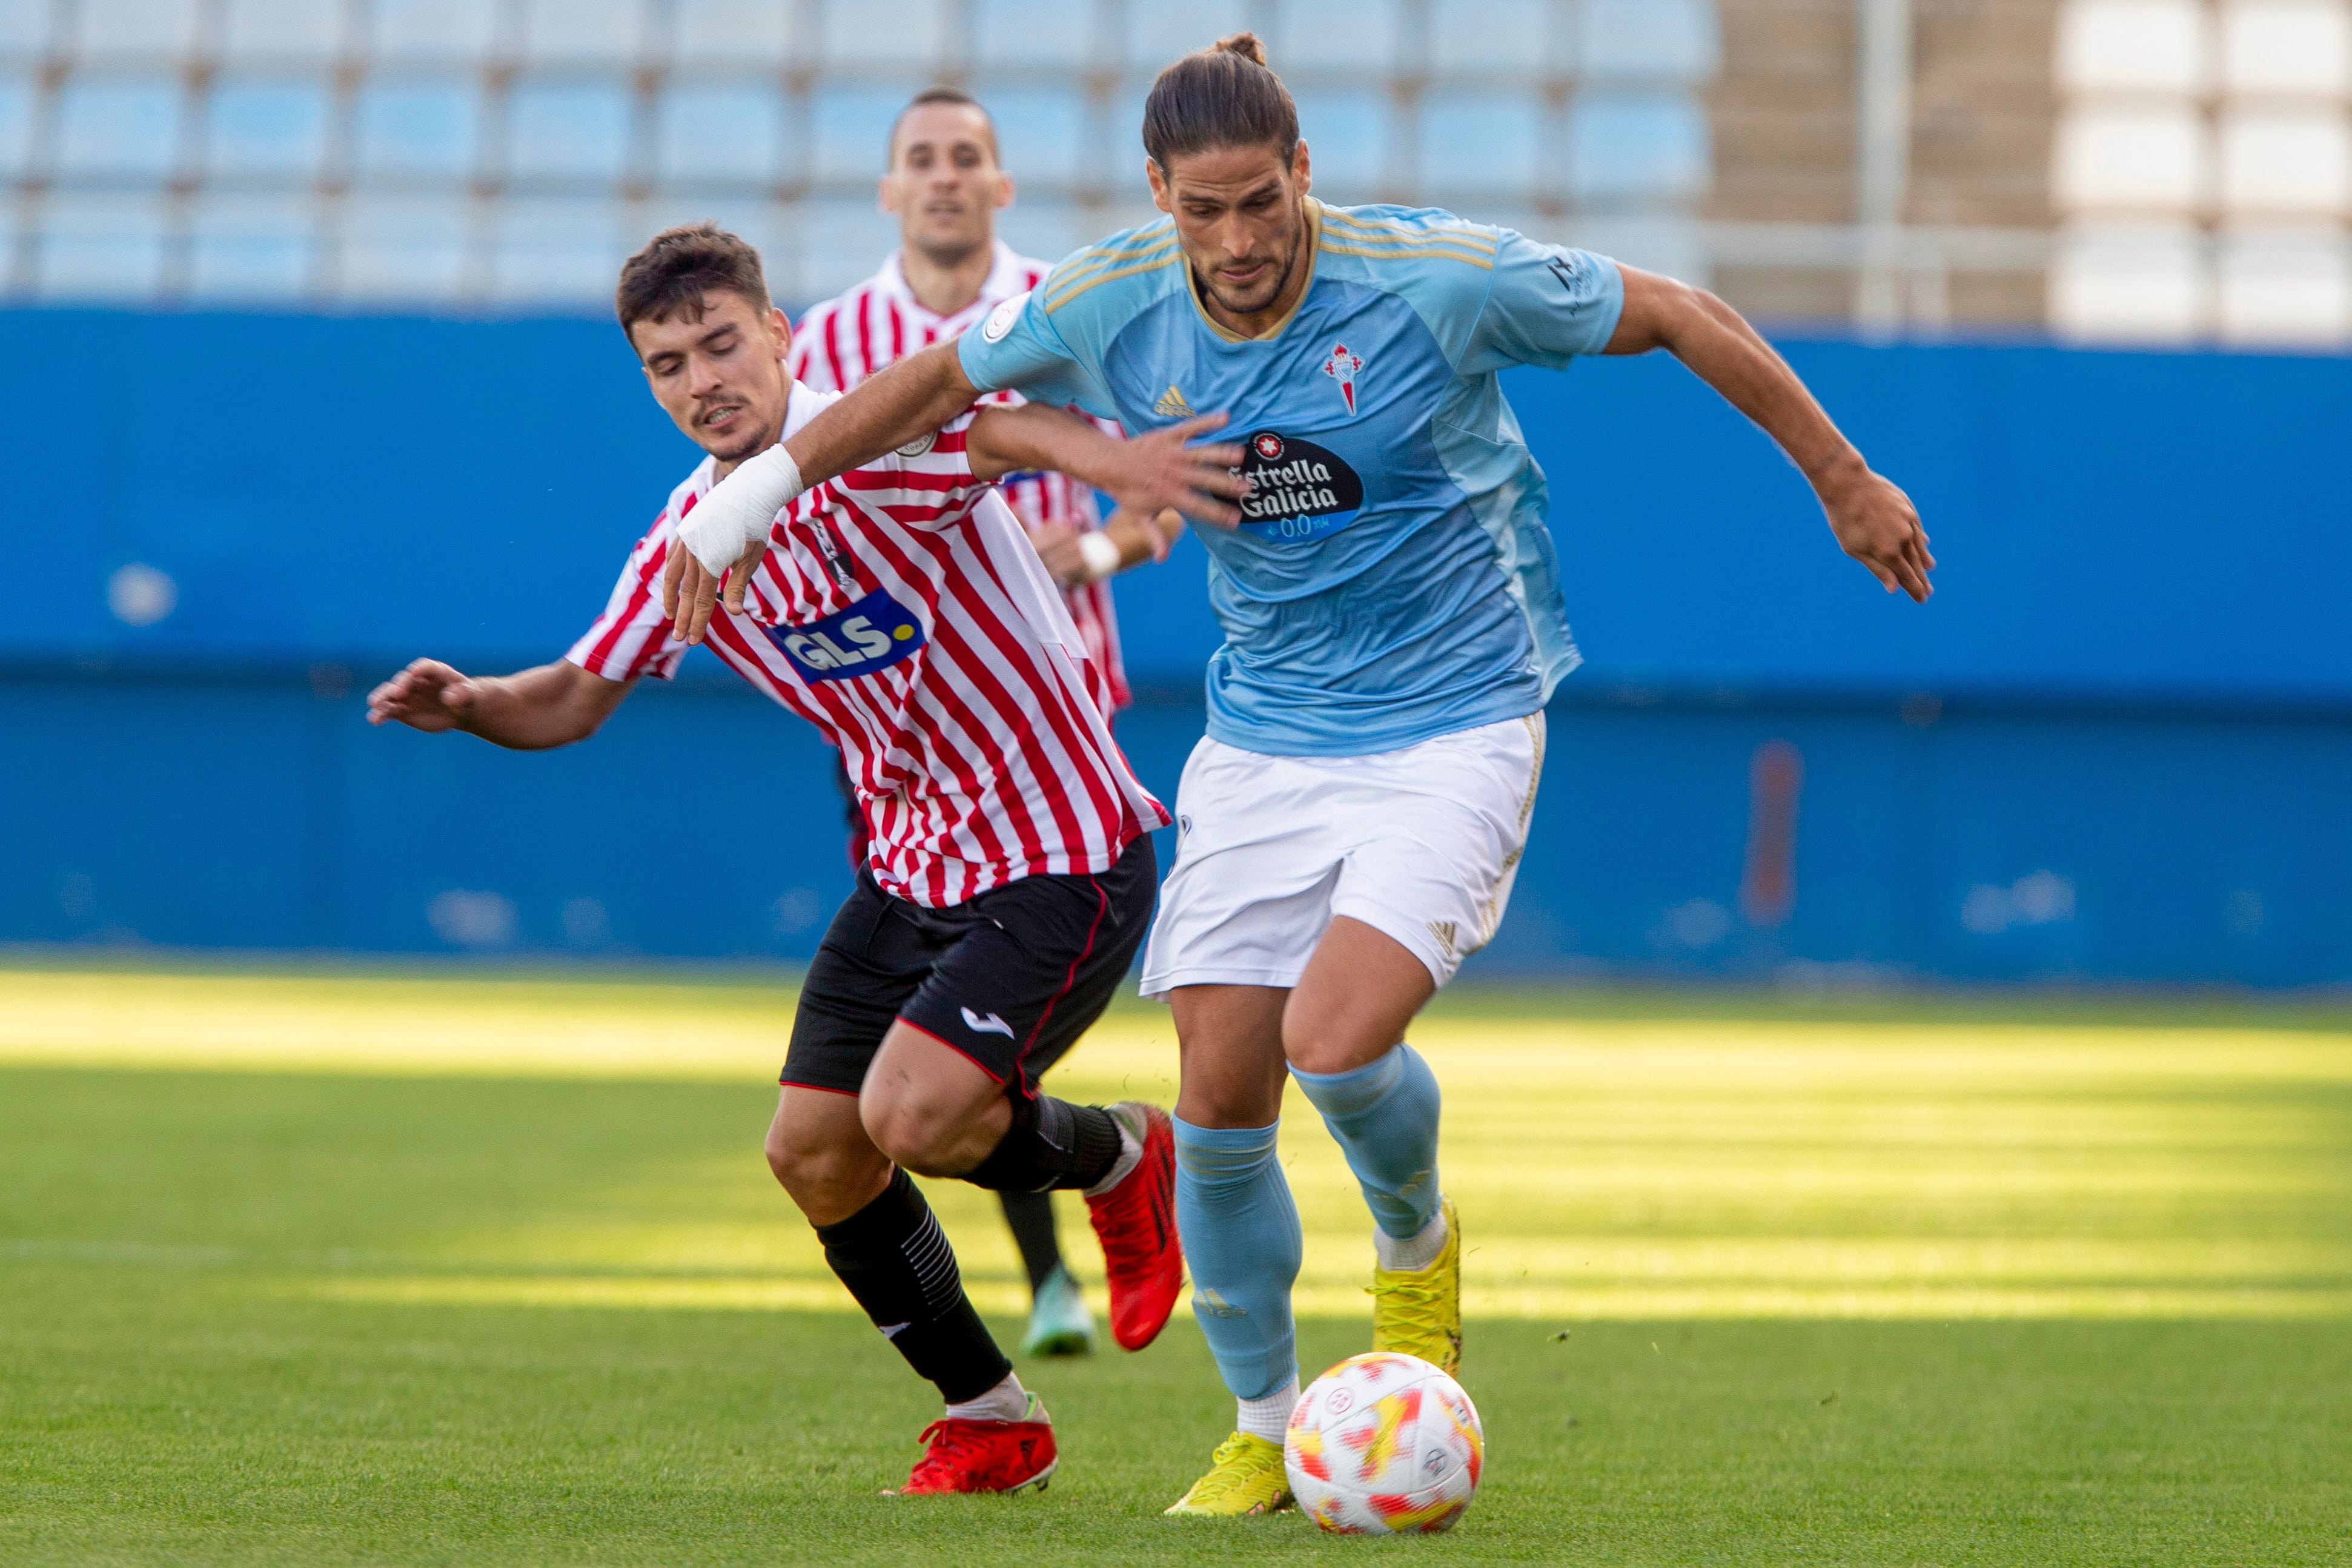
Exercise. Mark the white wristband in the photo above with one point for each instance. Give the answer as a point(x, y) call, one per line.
point(740, 509)
point(1101, 555)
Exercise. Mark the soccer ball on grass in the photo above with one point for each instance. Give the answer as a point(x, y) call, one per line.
point(1384, 1444)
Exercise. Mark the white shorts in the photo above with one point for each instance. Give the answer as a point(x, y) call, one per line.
point(1421, 844)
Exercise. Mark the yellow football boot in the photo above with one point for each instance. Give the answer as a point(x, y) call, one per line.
point(1245, 1478)
point(1418, 1311)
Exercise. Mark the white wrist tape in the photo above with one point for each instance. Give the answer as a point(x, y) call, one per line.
point(1101, 555)
point(740, 509)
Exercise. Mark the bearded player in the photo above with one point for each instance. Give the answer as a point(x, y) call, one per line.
point(945, 187)
point(1394, 624)
point(1010, 877)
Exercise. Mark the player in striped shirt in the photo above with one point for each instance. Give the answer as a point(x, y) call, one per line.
point(1010, 877)
point(945, 186)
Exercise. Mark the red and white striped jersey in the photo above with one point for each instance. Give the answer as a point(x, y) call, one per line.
point(845, 339)
point(901, 611)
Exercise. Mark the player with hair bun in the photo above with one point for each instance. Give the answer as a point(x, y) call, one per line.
point(1394, 624)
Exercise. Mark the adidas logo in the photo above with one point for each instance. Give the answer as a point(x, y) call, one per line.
point(1172, 404)
point(1443, 931)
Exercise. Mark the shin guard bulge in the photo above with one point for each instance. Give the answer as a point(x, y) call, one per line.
point(1385, 1115)
point(1243, 1241)
point(893, 1258)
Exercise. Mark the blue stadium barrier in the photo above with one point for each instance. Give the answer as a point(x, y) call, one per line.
point(2117, 747)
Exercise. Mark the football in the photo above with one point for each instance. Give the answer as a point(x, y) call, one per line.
point(1384, 1444)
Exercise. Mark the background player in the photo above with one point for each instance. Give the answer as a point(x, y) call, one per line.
point(945, 187)
point(1011, 874)
point(1394, 625)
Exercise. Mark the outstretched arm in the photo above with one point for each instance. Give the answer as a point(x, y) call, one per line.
point(1874, 521)
point(553, 705)
point(726, 532)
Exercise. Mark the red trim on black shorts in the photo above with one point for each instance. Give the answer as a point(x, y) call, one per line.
point(994, 1076)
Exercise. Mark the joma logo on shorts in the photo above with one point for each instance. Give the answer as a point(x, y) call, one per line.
point(871, 635)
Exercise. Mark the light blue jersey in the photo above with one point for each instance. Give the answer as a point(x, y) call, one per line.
point(1393, 580)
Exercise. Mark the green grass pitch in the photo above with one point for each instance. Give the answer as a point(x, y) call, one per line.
point(403, 1268)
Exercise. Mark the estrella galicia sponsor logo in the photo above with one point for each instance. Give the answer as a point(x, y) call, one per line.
point(871, 635)
point(1297, 490)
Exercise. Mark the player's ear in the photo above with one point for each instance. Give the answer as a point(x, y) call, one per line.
point(1159, 184)
point(887, 191)
point(1300, 170)
point(781, 324)
point(1005, 190)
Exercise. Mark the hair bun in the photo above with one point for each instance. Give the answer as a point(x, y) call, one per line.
point(1242, 44)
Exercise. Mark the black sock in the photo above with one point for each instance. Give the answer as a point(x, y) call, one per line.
point(897, 1261)
point(1050, 1144)
point(1031, 1216)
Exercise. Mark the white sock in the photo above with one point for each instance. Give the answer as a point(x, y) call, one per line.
point(1412, 1251)
point(1269, 1417)
point(1008, 1401)
point(1130, 1154)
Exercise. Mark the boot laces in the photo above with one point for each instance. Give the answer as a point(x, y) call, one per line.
point(1226, 1471)
point(948, 1443)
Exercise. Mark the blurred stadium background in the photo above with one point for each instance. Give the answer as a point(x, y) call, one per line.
point(311, 371)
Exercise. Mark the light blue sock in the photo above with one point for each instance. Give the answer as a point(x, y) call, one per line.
point(1243, 1243)
point(1384, 1114)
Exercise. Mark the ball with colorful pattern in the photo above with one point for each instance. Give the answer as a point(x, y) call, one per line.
point(1384, 1444)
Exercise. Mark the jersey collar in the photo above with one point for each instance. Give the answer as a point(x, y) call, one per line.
point(1005, 272)
point(1313, 253)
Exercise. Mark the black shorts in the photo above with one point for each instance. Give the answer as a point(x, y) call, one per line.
point(1011, 979)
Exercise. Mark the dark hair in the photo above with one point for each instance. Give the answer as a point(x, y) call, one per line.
point(929, 95)
point(1224, 96)
point(679, 267)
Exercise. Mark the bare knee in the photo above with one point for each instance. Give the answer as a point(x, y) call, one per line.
point(829, 1179)
point(920, 1134)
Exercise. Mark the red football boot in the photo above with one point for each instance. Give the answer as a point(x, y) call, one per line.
point(1135, 1220)
point(984, 1456)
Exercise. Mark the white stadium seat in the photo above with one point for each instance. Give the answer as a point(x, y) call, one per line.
point(118, 128)
point(852, 131)
point(2134, 46)
point(1347, 136)
point(557, 252)
point(18, 96)
point(400, 250)
point(1157, 34)
point(1328, 36)
point(282, 32)
point(898, 35)
point(1041, 133)
point(1484, 144)
point(99, 249)
point(1034, 33)
point(26, 33)
point(266, 127)
point(612, 34)
point(2287, 161)
point(141, 32)
point(2286, 288)
point(250, 247)
point(417, 128)
point(2128, 157)
point(1643, 147)
point(720, 132)
point(2287, 47)
point(2124, 284)
point(732, 35)
point(1649, 40)
point(436, 32)
point(1496, 37)
point(568, 130)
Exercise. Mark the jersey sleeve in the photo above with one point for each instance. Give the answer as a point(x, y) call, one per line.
point(1546, 305)
point(1017, 346)
point(632, 637)
point(926, 483)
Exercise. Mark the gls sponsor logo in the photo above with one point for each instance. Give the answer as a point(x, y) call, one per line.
point(871, 635)
point(1298, 490)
